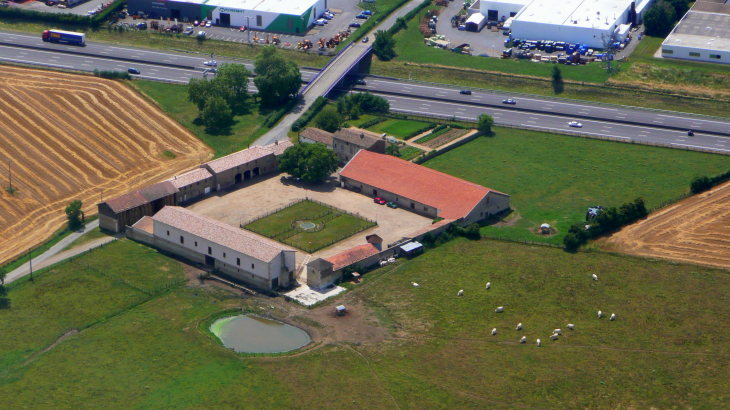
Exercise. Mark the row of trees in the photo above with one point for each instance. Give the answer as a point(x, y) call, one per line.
point(606, 220)
point(661, 16)
point(350, 107)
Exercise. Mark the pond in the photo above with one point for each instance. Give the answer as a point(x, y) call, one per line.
point(307, 225)
point(251, 334)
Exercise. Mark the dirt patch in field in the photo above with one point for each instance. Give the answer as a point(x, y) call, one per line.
point(73, 137)
point(695, 230)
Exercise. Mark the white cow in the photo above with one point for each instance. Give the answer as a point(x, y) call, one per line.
point(383, 263)
point(461, 293)
point(538, 342)
point(558, 331)
point(600, 314)
point(571, 326)
point(595, 277)
point(499, 309)
point(494, 331)
point(391, 260)
point(554, 336)
point(519, 326)
point(613, 316)
point(524, 339)
point(415, 285)
point(489, 285)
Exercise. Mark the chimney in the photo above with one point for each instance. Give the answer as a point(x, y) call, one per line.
point(276, 142)
point(362, 135)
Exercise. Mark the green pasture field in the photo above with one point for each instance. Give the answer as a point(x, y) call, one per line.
point(398, 128)
point(667, 345)
point(278, 226)
point(554, 179)
point(92, 235)
point(173, 99)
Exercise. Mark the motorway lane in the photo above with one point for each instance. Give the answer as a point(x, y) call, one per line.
point(577, 110)
point(549, 122)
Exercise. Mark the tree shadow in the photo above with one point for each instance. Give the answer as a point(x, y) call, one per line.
point(224, 130)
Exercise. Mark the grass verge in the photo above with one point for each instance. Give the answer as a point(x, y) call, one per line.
point(554, 179)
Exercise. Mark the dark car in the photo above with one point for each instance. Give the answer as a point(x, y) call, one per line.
point(690, 133)
point(509, 101)
point(366, 39)
point(392, 205)
point(354, 24)
point(133, 71)
point(362, 16)
point(361, 82)
point(466, 92)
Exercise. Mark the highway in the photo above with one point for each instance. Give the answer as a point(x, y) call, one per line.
point(619, 122)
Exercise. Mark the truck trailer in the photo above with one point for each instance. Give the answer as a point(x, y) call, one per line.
point(59, 36)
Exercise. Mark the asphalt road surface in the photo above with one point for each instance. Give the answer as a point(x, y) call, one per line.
point(427, 99)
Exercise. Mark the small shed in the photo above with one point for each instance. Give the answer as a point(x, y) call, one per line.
point(476, 22)
point(411, 248)
point(375, 240)
point(340, 310)
point(545, 229)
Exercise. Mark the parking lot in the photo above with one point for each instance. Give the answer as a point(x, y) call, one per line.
point(80, 8)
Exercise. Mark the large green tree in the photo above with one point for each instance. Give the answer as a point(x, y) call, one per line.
point(362, 102)
point(384, 45)
point(659, 19)
point(310, 162)
point(74, 214)
point(4, 301)
point(485, 123)
point(216, 113)
point(328, 119)
point(234, 78)
point(276, 78)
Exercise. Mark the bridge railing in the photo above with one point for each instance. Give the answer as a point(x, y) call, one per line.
point(334, 83)
point(324, 69)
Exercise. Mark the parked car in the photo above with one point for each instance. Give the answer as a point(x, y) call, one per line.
point(133, 71)
point(141, 26)
point(392, 205)
point(465, 92)
point(353, 24)
point(575, 124)
point(379, 201)
point(196, 23)
point(366, 39)
point(211, 63)
point(483, 55)
point(326, 16)
point(208, 24)
point(201, 34)
point(319, 22)
point(367, 13)
point(361, 82)
point(362, 16)
point(188, 30)
point(242, 29)
point(509, 101)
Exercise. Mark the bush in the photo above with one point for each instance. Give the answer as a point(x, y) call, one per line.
point(113, 75)
point(700, 184)
point(317, 105)
point(608, 219)
point(374, 121)
point(328, 119)
point(659, 18)
point(402, 22)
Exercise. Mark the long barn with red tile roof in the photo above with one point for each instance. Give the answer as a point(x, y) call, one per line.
point(420, 189)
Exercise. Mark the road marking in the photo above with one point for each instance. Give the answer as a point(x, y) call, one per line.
point(697, 146)
point(532, 122)
point(606, 126)
point(581, 112)
point(719, 145)
point(428, 105)
point(103, 52)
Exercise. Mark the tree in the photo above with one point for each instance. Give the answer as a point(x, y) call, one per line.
point(4, 301)
point(328, 119)
point(485, 123)
point(362, 102)
point(276, 78)
point(659, 19)
point(234, 77)
point(700, 184)
point(681, 7)
point(216, 113)
point(557, 80)
point(571, 242)
point(393, 149)
point(3, 272)
point(198, 91)
point(74, 214)
point(310, 162)
point(384, 45)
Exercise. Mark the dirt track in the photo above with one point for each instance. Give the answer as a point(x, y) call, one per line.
point(695, 230)
point(70, 137)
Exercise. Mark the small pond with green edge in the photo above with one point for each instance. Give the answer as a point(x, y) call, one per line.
point(251, 334)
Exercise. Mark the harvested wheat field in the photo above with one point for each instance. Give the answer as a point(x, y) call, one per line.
point(696, 230)
point(71, 137)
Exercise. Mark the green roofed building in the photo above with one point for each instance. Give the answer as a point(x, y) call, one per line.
point(283, 16)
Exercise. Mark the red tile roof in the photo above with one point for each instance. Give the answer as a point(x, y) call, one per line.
point(455, 197)
point(145, 224)
point(189, 178)
point(352, 256)
point(238, 158)
point(280, 147)
point(147, 194)
point(357, 138)
point(237, 239)
point(315, 134)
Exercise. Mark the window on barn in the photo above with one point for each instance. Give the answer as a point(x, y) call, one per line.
point(694, 54)
point(168, 233)
point(182, 240)
point(238, 261)
point(715, 56)
point(259, 21)
point(425, 208)
point(224, 255)
point(252, 266)
point(210, 251)
point(196, 244)
point(413, 206)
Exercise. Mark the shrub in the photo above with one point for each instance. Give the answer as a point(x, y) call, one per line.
point(113, 75)
point(374, 121)
point(317, 105)
point(328, 119)
point(700, 184)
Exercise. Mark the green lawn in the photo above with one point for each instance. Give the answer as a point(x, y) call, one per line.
point(666, 347)
point(92, 235)
point(76, 294)
point(173, 98)
point(398, 128)
point(337, 226)
point(554, 179)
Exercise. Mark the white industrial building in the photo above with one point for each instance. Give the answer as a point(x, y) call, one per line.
point(702, 35)
point(573, 21)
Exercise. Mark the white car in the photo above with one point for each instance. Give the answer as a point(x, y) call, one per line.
point(575, 124)
point(201, 34)
point(320, 22)
point(211, 63)
point(208, 24)
point(188, 30)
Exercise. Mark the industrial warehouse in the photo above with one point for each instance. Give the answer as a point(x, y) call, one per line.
point(588, 22)
point(702, 35)
point(284, 16)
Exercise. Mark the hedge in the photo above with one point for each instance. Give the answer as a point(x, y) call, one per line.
point(408, 17)
point(317, 105)
point(374, 121)
point(421, 131)
point(703, 183)
point(114, 75)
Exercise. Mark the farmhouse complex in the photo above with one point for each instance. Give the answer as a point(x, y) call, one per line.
point(420, 189)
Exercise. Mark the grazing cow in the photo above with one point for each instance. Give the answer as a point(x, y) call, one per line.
point(494, 331)
point(538, 342)
point(489, 285)
point(600, 314)
point(524, 339)
point(571, 326)
point(613, 316)
point(499, 309)
point(519, 326)
point(554, 336)
point(595, 277)
point(461, 293)
point(558, 331)
point(415, 285)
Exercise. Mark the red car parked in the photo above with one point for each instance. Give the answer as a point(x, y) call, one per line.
point(379, 201)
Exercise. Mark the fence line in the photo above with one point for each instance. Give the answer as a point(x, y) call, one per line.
point(281, 208)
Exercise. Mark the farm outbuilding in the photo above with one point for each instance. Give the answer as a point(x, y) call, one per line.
point(476, 22)
point(315, 135)
point(118, 213)
point(347, 143)
point(245, 165)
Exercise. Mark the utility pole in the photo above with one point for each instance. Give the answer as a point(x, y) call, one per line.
point(30, 261)
point(248, 29)
point(10, 176)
